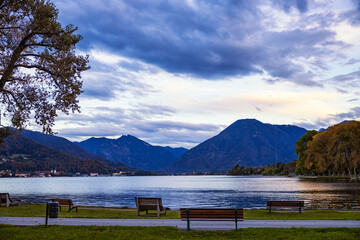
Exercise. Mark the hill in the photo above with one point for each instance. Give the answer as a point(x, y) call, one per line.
point(246, 142)
point(25, 155)
point(131, 151)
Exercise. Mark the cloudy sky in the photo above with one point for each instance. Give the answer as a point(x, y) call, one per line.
point(178, 72)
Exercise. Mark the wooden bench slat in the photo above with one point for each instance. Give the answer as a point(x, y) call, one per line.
point(226, 211)
point(211, 214)
point(285, 204)
point(65, 203)
point(145, 204)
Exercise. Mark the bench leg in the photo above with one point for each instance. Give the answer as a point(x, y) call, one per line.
point(187, 220)
point(236, 218)
point(158, 207)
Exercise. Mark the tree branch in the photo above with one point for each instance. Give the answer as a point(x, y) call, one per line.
point(12, 95)
point(35, 66)
point(30, 55)
point(37, 45)
point(6, 28)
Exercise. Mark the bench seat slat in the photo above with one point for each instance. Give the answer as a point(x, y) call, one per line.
point(65, 203)
point(211, 214)
point(220, 211)
point(284, 204)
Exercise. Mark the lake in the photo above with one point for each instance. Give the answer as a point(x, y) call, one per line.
point(184, 191)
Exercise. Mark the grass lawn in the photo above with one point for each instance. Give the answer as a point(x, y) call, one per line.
point(39, 210)
point(257, 214)
point(138, 233)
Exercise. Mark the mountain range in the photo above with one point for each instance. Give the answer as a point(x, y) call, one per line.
point(132, 151)
point(69, 147)
point(247, 142)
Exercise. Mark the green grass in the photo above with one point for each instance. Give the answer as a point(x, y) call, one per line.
point(138, 233)
point(39, 210)
point(258, 214)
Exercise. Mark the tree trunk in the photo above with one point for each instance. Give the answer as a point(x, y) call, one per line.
point(355, 172)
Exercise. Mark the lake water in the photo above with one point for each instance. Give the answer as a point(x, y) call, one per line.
point(184, 191)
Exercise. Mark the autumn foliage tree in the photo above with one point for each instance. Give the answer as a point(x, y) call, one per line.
point(335, 151)
point(39, 69)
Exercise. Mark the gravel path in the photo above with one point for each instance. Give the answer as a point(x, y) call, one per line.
point(196, 225)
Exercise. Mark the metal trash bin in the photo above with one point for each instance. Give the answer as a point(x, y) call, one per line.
point(53, 209)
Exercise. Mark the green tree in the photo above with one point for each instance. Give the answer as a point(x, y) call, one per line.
point(39, 69)
point(301, 147)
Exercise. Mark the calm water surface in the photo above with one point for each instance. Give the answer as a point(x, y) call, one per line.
point(184, 191)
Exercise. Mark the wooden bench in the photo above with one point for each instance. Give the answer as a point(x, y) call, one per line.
point(6, 200)
point(65, 203)
point(284, 204)
point(211, 214)
point(145, 204)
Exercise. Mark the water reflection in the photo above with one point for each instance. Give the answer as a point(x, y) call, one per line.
point(330, 195)
point(185, 191)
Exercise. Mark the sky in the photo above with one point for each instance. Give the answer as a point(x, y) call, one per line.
point(175, 73)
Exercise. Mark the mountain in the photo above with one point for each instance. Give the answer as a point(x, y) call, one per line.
point(23, 154)
point(131, 151)
point(69, 147)
point(177, 152)
point(247, 142)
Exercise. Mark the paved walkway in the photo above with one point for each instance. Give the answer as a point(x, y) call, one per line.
point(201, 225)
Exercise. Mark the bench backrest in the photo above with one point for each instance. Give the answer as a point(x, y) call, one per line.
point(149, 203)
point(64, 202)
point(208, 214)
point(285, 204)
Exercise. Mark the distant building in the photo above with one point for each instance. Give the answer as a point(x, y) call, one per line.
point(22, 174)
point(94, 174)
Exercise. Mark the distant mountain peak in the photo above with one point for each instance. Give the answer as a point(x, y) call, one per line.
point(132, 151)
point(247, 142)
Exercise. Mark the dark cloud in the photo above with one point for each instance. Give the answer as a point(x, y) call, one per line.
point(353, 76)
point(213, 40)
point(346, 82)
point(105, 82)
point(354, 113)
point(352, 61)
point(353, 15)
point(331, 119)
point(287, 5)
